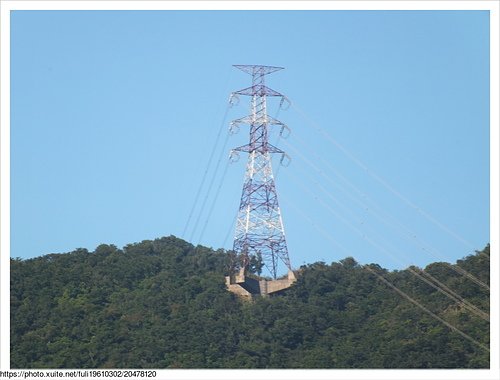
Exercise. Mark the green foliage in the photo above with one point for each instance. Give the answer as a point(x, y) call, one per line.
point(163, 304)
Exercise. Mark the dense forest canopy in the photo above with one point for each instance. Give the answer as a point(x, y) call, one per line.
point(163, 304)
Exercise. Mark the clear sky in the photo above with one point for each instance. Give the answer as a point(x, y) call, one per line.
point(114, 115)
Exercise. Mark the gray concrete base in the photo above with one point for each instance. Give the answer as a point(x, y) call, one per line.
point(248, 287)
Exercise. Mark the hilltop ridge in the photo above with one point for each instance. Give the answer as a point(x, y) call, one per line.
point(163, 304)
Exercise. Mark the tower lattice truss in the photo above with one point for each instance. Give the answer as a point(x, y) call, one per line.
point(259, 230)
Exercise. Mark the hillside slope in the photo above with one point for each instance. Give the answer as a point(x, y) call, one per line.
point(163, 304)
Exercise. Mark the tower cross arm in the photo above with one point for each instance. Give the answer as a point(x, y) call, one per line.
point(273, 121)
point(259, 90)
point(248, 148)
point(249, 120)
point(258, 69)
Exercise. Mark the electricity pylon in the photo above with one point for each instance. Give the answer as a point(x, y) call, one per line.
point(259, 230)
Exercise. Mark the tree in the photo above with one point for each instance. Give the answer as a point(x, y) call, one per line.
point(163, 304)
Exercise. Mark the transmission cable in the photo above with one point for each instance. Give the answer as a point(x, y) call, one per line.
point(214, 201)
point(395, 288)
point(416, 303)
point(231, 227)
point(210, 186)
point(380, 179)
point(209, 163)
point(378, 214)
point(447, 292)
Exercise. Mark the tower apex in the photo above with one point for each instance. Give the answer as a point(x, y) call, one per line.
point(258, 69)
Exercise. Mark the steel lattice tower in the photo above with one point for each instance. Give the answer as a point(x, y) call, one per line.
point(259, 227)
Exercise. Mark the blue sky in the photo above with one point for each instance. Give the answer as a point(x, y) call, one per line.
point(115, 113)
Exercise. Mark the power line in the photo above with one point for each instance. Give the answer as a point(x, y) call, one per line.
point(209, 162)
point(479, 312)
point(379, 179)
point(446, 291)
point(395, 288)
point(412, 236)
point(231, 227)
point(214, 201)
point(416, 303)
point(212, 180)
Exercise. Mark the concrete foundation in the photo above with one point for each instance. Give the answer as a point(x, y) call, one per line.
point(249, 287)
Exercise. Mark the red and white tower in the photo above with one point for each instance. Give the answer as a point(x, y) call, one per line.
point(259, 226)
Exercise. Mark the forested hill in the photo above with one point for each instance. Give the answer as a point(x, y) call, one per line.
point(163, 304)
